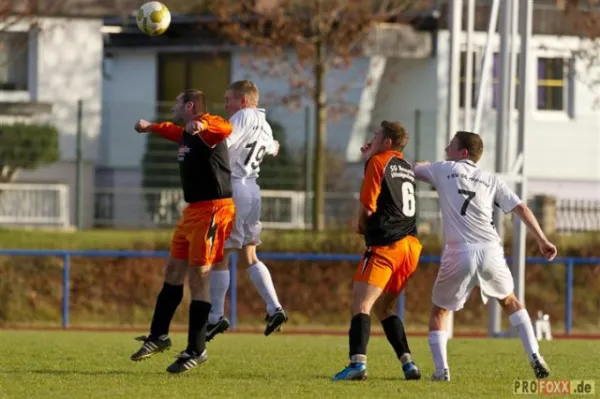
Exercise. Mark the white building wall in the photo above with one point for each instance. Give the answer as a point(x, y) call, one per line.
point(346, 81)
point(561, 145)
point(408, 93)
point(65, 65)
point(130, 91)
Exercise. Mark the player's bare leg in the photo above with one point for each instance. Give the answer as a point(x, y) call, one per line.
point(519, 318)
point(438, 341)
point(195, 353)
point(394, 331)
point(260, 276)
point(219, 284)
point(167, 302)
point(364, 296)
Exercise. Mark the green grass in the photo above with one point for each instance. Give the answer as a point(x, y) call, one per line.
point(101, 239)
point(273, 240)
point(96, 365)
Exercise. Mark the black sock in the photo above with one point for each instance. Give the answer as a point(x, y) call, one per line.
point(360, 329)
point(167, 302)
point(395, 334)
point(199, 311)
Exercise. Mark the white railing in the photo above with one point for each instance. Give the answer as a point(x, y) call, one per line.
point(34, 205)
point(150, 208)
point(38, 205)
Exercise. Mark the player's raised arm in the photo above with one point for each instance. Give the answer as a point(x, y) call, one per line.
point(424, 171)
point(213, 129)
point(168, 130)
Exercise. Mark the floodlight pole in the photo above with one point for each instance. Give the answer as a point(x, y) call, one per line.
point(455, 24)
point(468, 106)
point(505, 81)
point(525, 99)
point(484, 76)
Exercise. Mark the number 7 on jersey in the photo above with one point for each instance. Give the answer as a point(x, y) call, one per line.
point(470, 195)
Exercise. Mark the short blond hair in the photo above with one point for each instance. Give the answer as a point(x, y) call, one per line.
point(246, 88)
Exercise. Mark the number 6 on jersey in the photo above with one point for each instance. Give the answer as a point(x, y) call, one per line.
point(408, 199)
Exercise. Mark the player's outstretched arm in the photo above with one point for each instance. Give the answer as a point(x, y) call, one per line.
point(423, 171)
point(168, 130)
point(212, 129)
point(546, 247)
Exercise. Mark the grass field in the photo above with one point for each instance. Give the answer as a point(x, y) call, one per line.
point(96, 365)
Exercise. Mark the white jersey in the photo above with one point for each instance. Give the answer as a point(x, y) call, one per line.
point(467, 197)
point(249, 142)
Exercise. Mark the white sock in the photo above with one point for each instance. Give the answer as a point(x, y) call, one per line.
point(438, 341)
point(219, 284)
point(520, 319)
point(260, 276)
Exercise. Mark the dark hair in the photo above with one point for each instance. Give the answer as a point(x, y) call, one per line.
point(472, 143)
point(197, 97)
point(395, 132)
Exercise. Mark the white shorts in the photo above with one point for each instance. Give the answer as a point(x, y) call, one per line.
point(466, 266)
point(247, 227)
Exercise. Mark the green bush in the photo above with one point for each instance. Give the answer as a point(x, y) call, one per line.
point(26, 146)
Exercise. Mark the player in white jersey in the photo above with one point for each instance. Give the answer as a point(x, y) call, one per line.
point(473, 253)
point(250, 141)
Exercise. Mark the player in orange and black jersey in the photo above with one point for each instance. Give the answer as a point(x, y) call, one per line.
point(387, 220)
point(200, 235)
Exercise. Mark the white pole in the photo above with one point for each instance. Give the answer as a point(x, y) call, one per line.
point(486, 64)
point(455, 21)
point(468, 123)
point(525, 106)
point(502, 106)
point(512, 95)
point(455, 24)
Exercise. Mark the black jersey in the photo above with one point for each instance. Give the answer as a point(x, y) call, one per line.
point(388, 191)
point(203, 158)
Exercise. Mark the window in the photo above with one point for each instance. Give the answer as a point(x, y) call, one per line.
point(206, 71)
point(551, 84)
point(14, 61)
point(477, 65)
point(496, 81)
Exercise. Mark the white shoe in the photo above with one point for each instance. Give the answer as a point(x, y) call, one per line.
point(441, 375)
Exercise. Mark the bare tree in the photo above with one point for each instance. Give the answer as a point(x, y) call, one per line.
point(583, 16)
point(302, 41)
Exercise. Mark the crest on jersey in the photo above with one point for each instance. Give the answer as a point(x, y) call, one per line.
point(183, 149)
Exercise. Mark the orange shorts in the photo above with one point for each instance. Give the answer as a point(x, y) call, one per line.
point(202, 230)
point(389, 267)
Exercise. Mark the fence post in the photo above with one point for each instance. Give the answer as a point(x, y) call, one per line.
point(569, 297)
point(233, 290)
point(66, 289)
point(401, 308)
point(79, 168)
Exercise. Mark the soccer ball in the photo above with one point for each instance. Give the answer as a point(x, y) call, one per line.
point(153, 18)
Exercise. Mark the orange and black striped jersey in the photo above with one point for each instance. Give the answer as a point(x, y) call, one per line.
point(203, 158)
point(388, 191)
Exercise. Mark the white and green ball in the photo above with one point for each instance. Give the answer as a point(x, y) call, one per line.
point(153, 18)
